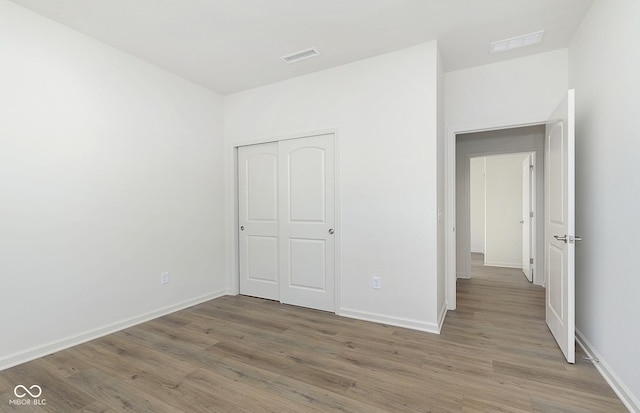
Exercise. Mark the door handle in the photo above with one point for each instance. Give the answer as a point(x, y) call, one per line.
point(241, 227)
point(561, 238)
point(567, 238)
point(522, 221)
point(331, 231)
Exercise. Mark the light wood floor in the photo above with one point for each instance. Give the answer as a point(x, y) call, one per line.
point(243, 354)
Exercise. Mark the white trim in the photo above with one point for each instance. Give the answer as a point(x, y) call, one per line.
point(233, 281)
point(390, 320)
point(278, 138)
point(533, 234)
point(476, 251)
point(231, 212)
point(450, 219)
point(630, 401)
point(336, 205)
point(65, 343)
point(503, 264)
point(466, 221)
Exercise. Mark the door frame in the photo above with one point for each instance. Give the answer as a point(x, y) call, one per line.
point(450, 196)
point(231, 181)
point(531, 221)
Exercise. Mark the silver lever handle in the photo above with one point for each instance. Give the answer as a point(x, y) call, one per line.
point(567, 238)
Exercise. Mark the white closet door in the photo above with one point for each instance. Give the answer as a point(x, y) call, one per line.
point(306, 221)
point(258, 220)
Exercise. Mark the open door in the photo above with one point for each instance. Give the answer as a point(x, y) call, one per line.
point(527, 264)
point(560, 236)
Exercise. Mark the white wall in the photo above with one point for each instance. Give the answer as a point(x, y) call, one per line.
point(476, 203)
point(604, 65)
point(508, 93)
point(385, 111)
point(503, 211)
point(110, 173)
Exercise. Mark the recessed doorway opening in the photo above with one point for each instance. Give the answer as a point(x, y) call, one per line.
point(502, 154)
point(502, 213)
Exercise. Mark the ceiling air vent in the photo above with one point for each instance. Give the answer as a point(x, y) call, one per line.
point(516, 42)
point(301, 55)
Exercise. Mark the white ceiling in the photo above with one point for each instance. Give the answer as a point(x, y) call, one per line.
point(234, 45)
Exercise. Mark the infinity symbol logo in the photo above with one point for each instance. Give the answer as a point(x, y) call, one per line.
point(21, 391)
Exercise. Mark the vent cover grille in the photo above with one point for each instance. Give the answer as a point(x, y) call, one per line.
point(301, 55)
point(516, 42)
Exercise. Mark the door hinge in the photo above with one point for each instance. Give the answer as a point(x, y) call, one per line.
point(530, 260)
point(531, 214)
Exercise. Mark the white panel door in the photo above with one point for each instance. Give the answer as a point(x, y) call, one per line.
point(258, 220)
point(560, 225)
point(526, 218)
point(307, 218)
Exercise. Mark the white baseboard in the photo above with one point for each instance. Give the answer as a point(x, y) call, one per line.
point(58, 345)
point(503, 264)
point(462, 275)
point(474, 251)
point(393, 321)
point(630, 401)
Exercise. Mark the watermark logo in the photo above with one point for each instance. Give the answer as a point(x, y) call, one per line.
point(21, 391)
point(27, 396)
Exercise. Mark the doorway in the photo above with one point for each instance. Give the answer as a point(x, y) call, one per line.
point(502, 212)
point(464, 146)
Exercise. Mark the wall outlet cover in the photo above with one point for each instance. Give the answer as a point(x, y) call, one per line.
point(376, 283)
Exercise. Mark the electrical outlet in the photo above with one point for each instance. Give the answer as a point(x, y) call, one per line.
point(164, 278)
point(376, 283)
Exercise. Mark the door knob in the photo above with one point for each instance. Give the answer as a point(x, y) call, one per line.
point(522, 221)
point(331, 231)
point(241, 227)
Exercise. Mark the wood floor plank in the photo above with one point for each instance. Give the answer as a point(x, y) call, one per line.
point(320, 399)
point(254, 399)
point(117, 395)
point(96, 407)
